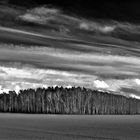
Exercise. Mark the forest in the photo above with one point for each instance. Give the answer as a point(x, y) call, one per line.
point(75, 100)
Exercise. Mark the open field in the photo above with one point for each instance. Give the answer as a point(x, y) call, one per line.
point(64, 127)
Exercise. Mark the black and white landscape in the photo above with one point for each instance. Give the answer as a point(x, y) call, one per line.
point(71, 60)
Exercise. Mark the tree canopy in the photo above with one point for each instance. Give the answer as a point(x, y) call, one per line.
point(61, 100)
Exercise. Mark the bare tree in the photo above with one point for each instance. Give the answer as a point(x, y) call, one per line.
point(67, 101)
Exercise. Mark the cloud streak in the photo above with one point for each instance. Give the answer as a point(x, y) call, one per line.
point(13, 78)
point(100, 84)
point(27, 76)
point(24, 66)
point(75, 59)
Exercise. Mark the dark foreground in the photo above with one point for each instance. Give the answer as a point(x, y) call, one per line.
point(63, 127)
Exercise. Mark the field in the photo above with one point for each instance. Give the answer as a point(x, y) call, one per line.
point(64, 127)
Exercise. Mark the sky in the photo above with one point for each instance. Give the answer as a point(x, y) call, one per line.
point(51, 48)
point(111, 9)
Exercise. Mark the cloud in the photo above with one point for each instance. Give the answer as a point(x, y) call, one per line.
point(3, 90)
point(44, 11)
point(22, 77)
point(134, 96)
point(137, 81)
point(17, 88)
point(15, 72)
point(126, 86)
point(19, 76)
point(40, 15)
point(100, 84)
point(50, 66)
point(94, 26)
point(31, 18)
point(58, 65)
point(31, 73)
point(18, 85)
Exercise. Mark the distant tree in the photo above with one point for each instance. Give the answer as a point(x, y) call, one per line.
point(67, 101)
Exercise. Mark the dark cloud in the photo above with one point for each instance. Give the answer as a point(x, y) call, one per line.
point(94, 58)
point(120, 10)
point(130, 91)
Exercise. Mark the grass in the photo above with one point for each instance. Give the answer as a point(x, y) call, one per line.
point(64, 127)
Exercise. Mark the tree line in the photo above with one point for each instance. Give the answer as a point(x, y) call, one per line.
point(73, 100)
